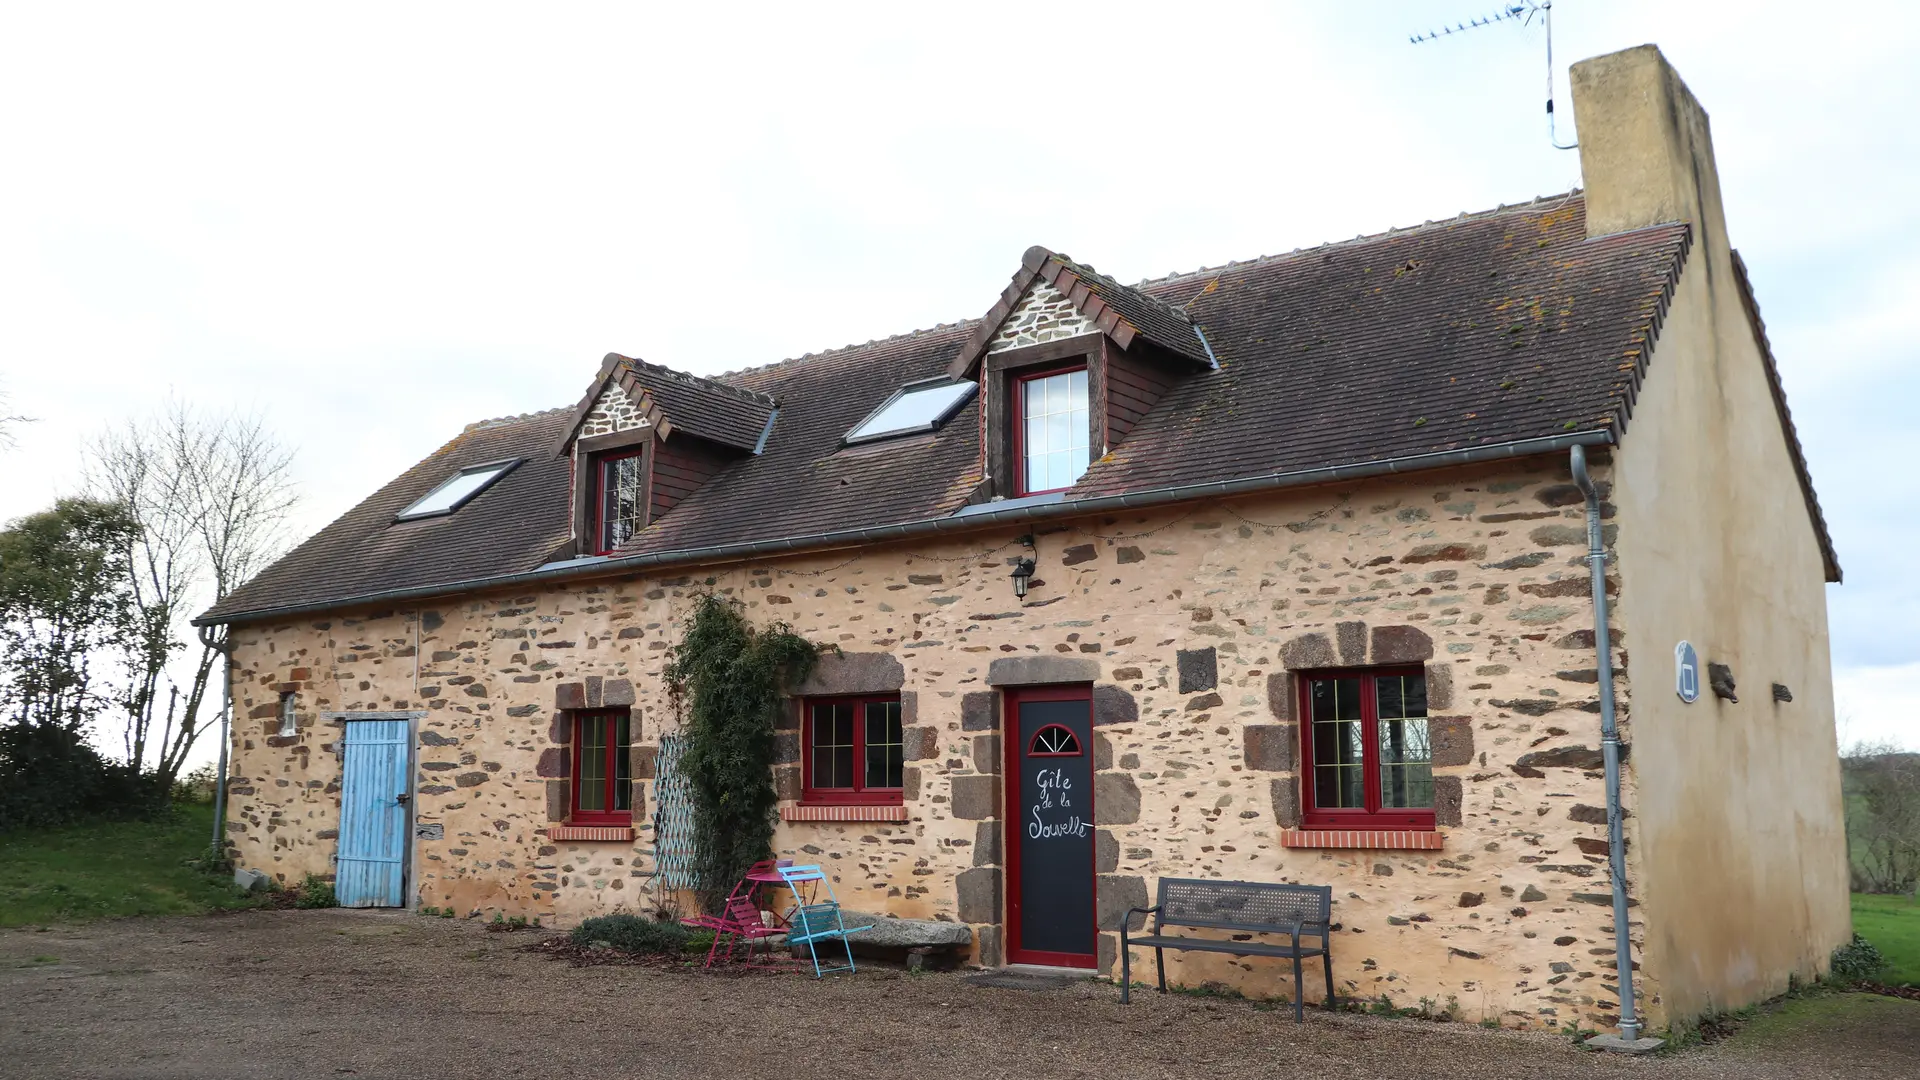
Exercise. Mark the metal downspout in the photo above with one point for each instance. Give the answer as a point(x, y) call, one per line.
point(219, 643)
point(1609, 747)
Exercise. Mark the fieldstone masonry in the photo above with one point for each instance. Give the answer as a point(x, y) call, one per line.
point(613, 412)
point(1044, 314)
point(1197, 761)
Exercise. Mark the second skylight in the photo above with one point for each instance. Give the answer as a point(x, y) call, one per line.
point(914, 407)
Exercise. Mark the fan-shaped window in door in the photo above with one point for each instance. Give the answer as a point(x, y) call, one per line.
point(1054, 741)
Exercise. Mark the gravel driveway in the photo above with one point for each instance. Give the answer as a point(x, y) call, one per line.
point(338, 993)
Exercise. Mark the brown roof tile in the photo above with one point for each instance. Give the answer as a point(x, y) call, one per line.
point(1499, 327)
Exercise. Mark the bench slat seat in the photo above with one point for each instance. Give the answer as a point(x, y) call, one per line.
point(1249, 907)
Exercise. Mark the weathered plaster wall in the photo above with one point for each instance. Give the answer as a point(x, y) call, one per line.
point(1741, 849)
point(1478, 573)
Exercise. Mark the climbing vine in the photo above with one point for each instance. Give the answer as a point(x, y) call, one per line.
point(726, 681)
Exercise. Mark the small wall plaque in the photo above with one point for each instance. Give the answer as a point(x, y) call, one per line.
point(1686, 672)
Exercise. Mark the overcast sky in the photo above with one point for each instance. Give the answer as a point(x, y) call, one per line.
point(376, 224)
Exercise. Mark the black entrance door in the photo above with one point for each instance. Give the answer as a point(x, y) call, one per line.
point(1049, 830)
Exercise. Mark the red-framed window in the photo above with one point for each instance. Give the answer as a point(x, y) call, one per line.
point(1369, 760)
point(1052, 429)
point(852, 750)
point(1054, 740)
point(602, 768)
point(619, 497)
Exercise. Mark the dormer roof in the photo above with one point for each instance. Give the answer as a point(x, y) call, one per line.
point(676, 401)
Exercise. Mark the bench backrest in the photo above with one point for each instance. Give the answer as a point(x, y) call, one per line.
point(1254, 906)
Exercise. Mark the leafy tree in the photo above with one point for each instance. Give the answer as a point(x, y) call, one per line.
point(64, 600)
point(63, 605)
point(727, 681)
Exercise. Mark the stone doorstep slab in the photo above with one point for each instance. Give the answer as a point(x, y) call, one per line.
point(888, 932)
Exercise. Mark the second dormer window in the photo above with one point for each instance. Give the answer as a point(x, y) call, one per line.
point(620, 497)
point(1051, 431)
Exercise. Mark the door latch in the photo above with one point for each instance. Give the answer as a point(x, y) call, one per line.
point(401, 798)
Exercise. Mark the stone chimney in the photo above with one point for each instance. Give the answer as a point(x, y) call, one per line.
point(1646, 154)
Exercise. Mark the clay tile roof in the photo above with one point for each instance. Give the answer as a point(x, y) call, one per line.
point(519, 521)
point(1151, 317)
point(1480, 330)
point(729, 415)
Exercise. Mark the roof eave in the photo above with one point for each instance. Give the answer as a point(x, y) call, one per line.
point(734, 552)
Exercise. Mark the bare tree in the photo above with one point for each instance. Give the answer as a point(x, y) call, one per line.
point(9, 421)
point(211, 494)
point(1883, 817)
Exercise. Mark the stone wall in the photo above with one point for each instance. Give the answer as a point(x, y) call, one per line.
point(1044, 314)
point(613, 412)
point(1188, 619)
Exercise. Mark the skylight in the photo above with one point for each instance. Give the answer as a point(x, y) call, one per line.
point(914, 407)
point(456, 490)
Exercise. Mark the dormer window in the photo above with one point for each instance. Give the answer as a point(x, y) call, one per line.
point(456, 491)
point(620, 504)
point(1051, 431)
point(915, 407)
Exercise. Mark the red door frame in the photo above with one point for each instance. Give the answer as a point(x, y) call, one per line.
point(1011, 699)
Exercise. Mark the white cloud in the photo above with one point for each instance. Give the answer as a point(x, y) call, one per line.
point(1875, 705)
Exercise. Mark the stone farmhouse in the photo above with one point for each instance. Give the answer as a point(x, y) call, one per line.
point(1272, 571)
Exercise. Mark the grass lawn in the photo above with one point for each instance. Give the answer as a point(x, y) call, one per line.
point(1892, 923)
point(111, 869)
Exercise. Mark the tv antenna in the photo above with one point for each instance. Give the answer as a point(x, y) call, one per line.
point(1522, 13)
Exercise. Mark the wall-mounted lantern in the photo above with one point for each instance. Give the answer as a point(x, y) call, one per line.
point(1022, 574)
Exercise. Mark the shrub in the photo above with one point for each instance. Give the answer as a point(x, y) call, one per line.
point(49, 777)
point(632, 934)
point(315, 892)
point(1857, 961)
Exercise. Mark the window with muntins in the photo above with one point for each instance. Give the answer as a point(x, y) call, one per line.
point(853, 750)
point(1368, 757)
point(1052, 433)
point(619, 498)
point(602, 768)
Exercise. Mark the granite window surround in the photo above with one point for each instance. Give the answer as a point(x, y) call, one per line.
point(557, 765)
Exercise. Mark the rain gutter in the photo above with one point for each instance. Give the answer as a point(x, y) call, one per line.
point(972, 522)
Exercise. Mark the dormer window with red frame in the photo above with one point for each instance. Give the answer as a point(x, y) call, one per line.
point(1368, 755)
point(602, 768)
point(620, 497)
point(1052, 430)
point(853, 751)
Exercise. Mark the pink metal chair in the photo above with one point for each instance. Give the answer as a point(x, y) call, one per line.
point(740, 927)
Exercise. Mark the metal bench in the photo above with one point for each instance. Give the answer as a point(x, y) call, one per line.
point(1246, 907)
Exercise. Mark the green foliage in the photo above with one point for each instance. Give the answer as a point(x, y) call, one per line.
point(1577, 1034)
point(63, 599)
point(50, 777)
point(1857, 961)
point(1893, 923)
point(315, 892)
point(113, 869)
point(726, 680)
point(633, 934)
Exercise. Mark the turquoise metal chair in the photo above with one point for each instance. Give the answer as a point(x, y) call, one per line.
point(814, 921)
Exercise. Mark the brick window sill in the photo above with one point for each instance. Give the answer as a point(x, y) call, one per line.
point(1381, 840)
point(590, 832)
point(843, 812)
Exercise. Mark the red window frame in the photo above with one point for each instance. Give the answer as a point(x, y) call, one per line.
point(859, 794)
point(614, 753)
point(1019, 423)
point(1372, 816)
point(598, 513)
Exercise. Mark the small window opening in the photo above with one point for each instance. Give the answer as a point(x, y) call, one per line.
point(1054, 741)
point(620, 501)
point(289, 721)
point(1051, 430)
point(914, 407)
point(456, 491)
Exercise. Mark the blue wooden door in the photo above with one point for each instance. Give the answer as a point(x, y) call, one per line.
point(370, 869)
